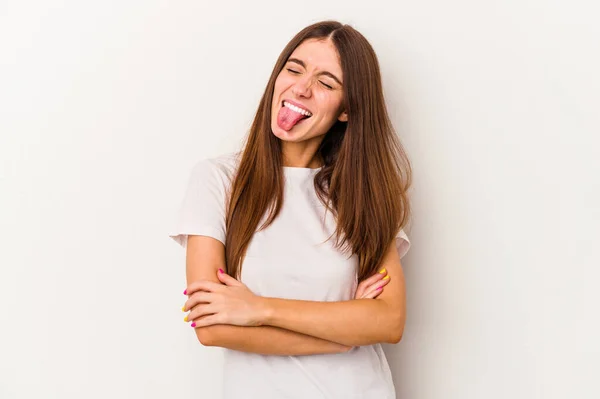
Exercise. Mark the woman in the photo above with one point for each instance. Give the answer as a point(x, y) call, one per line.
point(282, 297)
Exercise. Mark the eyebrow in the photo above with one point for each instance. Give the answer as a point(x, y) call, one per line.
point(301, 63)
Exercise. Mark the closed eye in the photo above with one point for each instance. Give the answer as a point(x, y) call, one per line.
point(297, 73)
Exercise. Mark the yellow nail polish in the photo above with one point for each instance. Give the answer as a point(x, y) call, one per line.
point(185, 319)
point(382, 271)
point(386, 277)
point(183, 308)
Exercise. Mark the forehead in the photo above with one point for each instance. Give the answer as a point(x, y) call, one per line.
point(320, 55)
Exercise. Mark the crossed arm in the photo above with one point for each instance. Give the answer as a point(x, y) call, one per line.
point(286, 327)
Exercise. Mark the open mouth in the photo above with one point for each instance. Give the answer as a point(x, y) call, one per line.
point(306, 113)
point(290, 115)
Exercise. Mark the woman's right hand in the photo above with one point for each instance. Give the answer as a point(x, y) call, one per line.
point(372, 287)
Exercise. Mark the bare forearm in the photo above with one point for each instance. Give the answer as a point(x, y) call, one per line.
point(352, 323)
point(266, 340)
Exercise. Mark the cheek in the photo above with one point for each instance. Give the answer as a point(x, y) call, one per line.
point(277, 90)
point(331, 104)
point(282, 83)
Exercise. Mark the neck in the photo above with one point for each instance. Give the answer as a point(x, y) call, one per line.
point(302, 155)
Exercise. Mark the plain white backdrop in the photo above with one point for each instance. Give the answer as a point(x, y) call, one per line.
point(105, 106)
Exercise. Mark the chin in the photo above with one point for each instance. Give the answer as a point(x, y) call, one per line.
point(283, 135)
point(280, 133)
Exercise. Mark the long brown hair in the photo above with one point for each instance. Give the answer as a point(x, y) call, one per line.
point(365, 173)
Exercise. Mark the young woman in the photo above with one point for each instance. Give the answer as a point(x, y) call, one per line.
point(291, 240)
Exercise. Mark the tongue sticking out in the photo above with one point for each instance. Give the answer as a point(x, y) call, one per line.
point(287, 119)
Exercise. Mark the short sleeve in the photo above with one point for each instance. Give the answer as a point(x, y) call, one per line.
point(202, 211)
point(402, 243)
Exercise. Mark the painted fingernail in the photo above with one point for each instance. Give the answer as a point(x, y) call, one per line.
point(193, 324)
point(379, 289)
point(183, 308)
point(386, 277)
point(185, 292)
point(185, 318)
point(382, 271)
point(221, 271)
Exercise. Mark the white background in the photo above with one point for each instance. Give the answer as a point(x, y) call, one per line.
point(106, 105)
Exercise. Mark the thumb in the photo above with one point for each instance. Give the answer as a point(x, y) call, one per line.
point(227, 279)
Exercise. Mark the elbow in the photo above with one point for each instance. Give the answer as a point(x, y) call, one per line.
point(205, 336)
point(396, 330)
point(395, 337)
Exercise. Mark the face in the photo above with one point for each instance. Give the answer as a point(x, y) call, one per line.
point(308, 95)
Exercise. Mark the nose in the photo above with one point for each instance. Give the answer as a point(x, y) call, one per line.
point(303, 87)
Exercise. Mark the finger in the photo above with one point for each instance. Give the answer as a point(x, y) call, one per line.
point(202, 285)
point(375, 278)
point(364, 285)
point(376, 289)
point(227, 279)
point(206, 321)
point(197, 298)
point(374, 293)
point(200, 311)
point(360, 291)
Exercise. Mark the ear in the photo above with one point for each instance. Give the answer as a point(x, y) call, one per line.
point(343, 117)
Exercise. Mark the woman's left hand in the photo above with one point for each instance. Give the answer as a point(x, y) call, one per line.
point(228, 303)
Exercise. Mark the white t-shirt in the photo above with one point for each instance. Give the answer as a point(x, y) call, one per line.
point(289, 259)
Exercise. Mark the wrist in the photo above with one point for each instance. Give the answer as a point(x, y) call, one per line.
point(266, 311)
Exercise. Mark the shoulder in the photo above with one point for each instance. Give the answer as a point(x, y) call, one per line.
point(221, 167)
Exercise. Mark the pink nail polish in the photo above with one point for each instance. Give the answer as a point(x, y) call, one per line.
point(184, 292)
point(221, 271)
point(380, 288)
point(193, 324)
